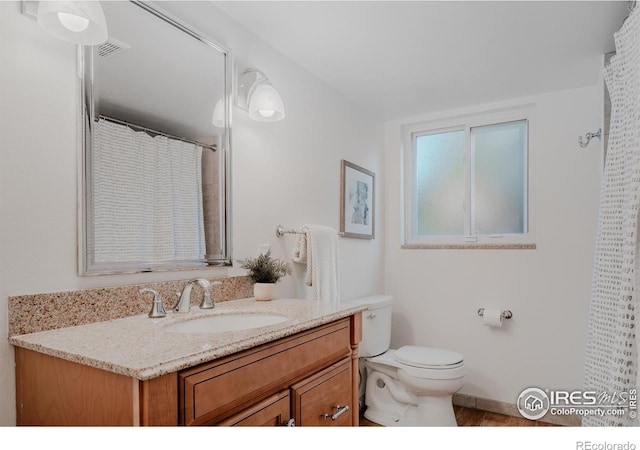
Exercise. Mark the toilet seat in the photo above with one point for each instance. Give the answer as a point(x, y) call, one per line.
point(428, 358)
point(428, 370)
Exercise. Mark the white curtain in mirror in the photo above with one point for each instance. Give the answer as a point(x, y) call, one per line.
point(133, 176)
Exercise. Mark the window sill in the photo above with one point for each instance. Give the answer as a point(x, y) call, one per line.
point(468, 246)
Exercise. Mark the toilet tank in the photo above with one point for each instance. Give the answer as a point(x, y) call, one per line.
point(376, 325)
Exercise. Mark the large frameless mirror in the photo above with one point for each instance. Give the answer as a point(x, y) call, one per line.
point(155, 160)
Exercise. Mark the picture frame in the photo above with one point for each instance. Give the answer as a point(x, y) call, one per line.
point(357, 201)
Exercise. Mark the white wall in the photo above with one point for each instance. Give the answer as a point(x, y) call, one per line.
point(438, 292)
point(288, 173)
point(283, 173)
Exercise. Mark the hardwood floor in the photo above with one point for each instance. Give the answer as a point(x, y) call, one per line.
point(467, 417)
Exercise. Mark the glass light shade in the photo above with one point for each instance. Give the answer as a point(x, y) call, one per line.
point(78, 22)
point(265, 104)
point(218, 114)
point(73, 22)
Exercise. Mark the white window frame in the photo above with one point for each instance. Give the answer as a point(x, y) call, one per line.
point(471, 239)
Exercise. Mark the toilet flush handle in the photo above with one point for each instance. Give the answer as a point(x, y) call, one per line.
point(372, 316)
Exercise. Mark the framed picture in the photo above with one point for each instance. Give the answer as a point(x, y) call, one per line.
point(357, 201)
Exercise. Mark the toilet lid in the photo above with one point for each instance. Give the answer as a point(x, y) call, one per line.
point(426, 357)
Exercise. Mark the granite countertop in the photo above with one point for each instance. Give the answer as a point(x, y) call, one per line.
point(142, 348)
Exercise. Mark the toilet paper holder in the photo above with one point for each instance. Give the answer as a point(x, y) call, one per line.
point(506, 314)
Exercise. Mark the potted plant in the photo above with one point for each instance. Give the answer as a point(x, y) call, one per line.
point(265, 271)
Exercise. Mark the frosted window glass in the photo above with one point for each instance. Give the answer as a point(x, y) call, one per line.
point(440, 183)
point(500, 177)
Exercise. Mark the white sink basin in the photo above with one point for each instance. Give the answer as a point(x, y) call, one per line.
point(225, 322)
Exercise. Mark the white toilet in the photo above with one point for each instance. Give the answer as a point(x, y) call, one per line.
point(411, 386)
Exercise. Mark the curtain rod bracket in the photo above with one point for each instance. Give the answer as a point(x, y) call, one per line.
point(588, 137)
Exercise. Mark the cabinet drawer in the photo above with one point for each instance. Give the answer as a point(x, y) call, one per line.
point(214, 391)
point(323, 398)
point(273, 411)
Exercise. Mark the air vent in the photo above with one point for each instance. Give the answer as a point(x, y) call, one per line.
point(112, 47)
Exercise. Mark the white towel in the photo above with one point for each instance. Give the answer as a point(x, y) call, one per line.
point(317, 247)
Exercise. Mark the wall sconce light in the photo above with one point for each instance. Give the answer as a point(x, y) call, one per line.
point(218, 114)
point(78, 22)
point(258, 96)
point(219, 119)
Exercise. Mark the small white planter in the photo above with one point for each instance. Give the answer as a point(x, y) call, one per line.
point(263, 291)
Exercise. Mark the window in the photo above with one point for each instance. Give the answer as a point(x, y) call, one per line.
point(468, 181)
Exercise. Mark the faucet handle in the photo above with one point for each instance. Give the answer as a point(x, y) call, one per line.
point(157, 308)
point(207, 301)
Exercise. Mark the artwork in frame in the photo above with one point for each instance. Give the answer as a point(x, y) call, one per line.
point(357, 201)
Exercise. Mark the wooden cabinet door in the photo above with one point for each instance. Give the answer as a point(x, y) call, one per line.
point(213, 391)
point(273, 411)
point(324, 399)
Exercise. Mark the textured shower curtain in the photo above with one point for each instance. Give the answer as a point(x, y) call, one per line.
point(147, 198)
point(612, 343)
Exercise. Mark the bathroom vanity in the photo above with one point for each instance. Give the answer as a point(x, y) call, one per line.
point(141, 371)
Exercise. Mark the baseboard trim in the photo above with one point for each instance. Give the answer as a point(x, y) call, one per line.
point(510, 409)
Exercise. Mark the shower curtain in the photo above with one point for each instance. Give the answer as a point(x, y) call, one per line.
point(147, 197)
point(612, 343)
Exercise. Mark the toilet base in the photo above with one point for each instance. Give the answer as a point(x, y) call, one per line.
point(390, 401)
point(406, 418)
point(431, 411)
point(437, 411)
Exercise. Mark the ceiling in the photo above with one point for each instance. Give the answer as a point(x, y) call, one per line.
point(402, 58)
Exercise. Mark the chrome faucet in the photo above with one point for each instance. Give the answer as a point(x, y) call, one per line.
point(157, 308)
point(184, 299)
